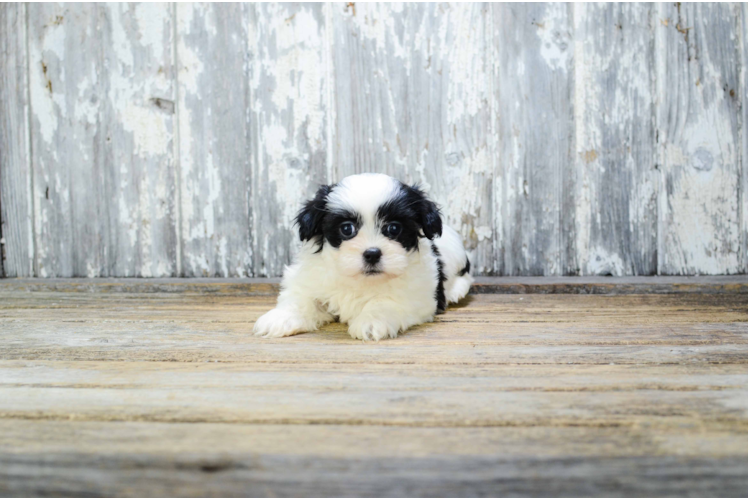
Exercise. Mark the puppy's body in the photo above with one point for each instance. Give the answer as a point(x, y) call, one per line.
point(397, 268)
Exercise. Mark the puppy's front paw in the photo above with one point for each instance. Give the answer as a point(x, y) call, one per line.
point(366, 327)
point(282, 323)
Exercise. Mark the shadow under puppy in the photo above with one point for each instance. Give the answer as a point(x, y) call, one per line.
point(375, 255)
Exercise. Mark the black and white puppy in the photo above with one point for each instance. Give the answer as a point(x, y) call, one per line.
point(375, 255)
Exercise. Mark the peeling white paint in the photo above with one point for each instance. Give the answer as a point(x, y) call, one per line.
point(699, 196)
point(152, 20)
point(42, 89)
point(468, 83)
point(555, 40)
point(602, 263)
point(150, 134)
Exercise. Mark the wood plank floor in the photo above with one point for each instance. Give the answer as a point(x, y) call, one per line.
point(156, 392)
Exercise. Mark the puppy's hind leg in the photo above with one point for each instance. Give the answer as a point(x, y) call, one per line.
point(457, 287)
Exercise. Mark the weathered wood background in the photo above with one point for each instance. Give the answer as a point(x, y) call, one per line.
point(178, 140)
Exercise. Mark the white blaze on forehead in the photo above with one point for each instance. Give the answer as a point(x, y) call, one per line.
point(363, 194)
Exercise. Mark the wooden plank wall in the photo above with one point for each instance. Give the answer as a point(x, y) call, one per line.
point(560, 139)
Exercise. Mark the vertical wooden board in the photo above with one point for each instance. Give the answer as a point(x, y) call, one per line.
point(697, 127)
point(534, 89)
point(16, 230)
point(66, 144)
point(743, 41)
point(289, 123)
point(412, 99)
point(616, 205)
point(214, 139)
point(136, 121)
point(101, 142)
point(372, 59)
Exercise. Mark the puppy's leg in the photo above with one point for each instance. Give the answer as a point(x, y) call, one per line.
point(383, 319)
point(291, 317)
point(286, 321)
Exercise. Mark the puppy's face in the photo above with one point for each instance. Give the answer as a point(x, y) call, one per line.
point(369, 223)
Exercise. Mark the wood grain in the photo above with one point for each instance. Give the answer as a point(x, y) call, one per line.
point(16, 212)
point(66, 131)
point(371, 395)
point(215, 144)
point(743, 79)
point(617, 180)
point(264, 460)
point(289, 87)
point(698, 136)
point(534, 88)
point(117, 393)
point(493, 331)
point(101, 131)
point(137, 119)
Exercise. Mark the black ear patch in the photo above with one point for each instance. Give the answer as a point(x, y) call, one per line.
point(428, 213)
point(311, 215)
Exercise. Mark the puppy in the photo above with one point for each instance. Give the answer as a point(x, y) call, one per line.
point(375, 255)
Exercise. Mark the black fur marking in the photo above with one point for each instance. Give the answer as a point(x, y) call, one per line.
point(332, 222)
point(317, 223)
point(418, 215)
point(312, 214)
point(441, 300)
point(465, 269)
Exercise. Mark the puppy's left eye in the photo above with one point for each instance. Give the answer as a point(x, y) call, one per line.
point(392, 229)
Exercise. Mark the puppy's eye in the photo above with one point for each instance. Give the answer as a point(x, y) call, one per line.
point(393, 229)
point(347, 230)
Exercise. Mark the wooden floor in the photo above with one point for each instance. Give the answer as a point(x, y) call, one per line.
point(163, 391)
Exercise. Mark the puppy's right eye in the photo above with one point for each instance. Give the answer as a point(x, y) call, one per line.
point(347, 230)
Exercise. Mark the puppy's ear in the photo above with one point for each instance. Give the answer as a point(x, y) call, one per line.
point(428, 213)
point(310, 216)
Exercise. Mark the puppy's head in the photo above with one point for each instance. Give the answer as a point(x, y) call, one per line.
point(369, 223)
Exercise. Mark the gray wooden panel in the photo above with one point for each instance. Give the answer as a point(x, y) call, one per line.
point(534, 103)
point(289, 89)
point(743, 209)
point(217, 469)
point(214, 139)
point(102, 139)
point(699, 143)
point(413, 99)
point(66, 138)
point(137, 119)
point(616, 176)
point(16, 229)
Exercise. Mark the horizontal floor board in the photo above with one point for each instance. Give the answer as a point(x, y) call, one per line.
point(272, 376)
point(251, 394)
point(483, 330)
point(142, 459)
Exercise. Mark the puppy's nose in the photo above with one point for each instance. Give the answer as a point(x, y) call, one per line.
point(372, 255)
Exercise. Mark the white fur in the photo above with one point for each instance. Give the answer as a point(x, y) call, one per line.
point(453, 257)
point(322, 286)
